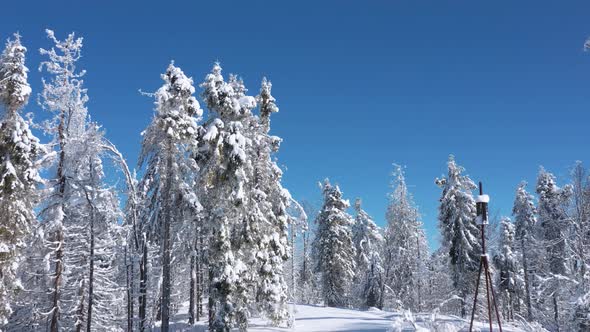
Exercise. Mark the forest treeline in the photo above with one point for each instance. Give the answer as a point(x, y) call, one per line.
point(206, 226)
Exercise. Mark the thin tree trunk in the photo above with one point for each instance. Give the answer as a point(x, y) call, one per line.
point(526, 281)
point(129, 270)
point(556, 311)
point(91, 280)
point(165, 302)
point(419, 284)
point(158, 312)
point(192, 291)
point(91, 262)
point(385, 279)
point(464, 303)
point(293, 291)
point(54, 326)
point(80, 313)
point(55, 313)
point(211, 303)
point(382, 288)
point(304, 274)
point(200, 274)
point(143, 272)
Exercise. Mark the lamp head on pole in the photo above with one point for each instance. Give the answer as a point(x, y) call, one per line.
point(482, 206)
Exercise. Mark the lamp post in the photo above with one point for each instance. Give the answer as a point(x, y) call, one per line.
point(482, 220)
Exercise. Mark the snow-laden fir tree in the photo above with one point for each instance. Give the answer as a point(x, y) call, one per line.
point(509, 283)
point(19, 172)
point(367, 240)
point(169, 178)
point(554, 271)
point(333, 248)
point(225, 166)
point(525, 220)
point(459, 231)
point(405, 250)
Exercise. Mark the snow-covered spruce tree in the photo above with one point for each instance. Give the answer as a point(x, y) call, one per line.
point(19, 172)
point(367, 240)
point(225, 166)
point(333, 248)
point(270, 216)
point(459, 231)
point(554, 268)
point(525, 221)
point(246, 207)
point(509, 283)
point(168, 181)
point(406, 250)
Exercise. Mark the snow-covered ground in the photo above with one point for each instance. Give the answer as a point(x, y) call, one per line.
point(325, 319)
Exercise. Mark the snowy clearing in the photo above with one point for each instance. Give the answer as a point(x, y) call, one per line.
point(321, 319)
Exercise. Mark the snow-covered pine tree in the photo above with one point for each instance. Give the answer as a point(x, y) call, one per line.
point(554, 226)
point(223, 157)
point(79, 216)
point(458, 229)
point(405, 250)
point(169, 178)
point(509, 283)
point(306, 279)
point(19, 172)
point(525, 221)
point(65, 97)
point(92, 239)
point(580, 211)
point(439, 293)
point(333, 248)
point(367, 240)
point(298, 226)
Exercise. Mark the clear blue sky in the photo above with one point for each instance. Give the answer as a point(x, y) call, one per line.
point(503, 85)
